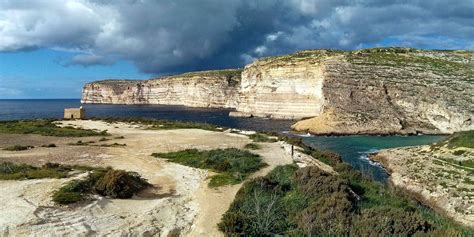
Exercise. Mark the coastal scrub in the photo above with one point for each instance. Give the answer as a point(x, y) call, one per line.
point(231, 164)
point(45, 128)
point(292, 201)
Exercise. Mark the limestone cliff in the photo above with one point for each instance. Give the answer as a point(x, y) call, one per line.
point(373, 91)
point(215, 89)
point(383, 91)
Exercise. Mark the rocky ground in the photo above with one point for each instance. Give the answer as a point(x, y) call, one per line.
point(180, 201)
point(440, 177)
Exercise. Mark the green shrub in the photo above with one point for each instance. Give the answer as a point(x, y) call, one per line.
point(11, 171)
point(233, 165)
point(65, 197)
point(105, 182)
point(310, 202)
point(459, 152)
point(49, 145)
point(389, 222)
point(253, 146)
point(259, 137)
point(327, 216)
point(18, 148)
point(45, 128)
point(120, 184)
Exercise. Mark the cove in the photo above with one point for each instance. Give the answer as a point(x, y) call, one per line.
point(356, 148)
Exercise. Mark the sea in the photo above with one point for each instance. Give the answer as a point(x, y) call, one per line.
point(353, 149)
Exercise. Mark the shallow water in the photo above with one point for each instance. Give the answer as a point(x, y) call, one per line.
point(353, 149)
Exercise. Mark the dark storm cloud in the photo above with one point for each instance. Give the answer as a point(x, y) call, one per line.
point(174, 36)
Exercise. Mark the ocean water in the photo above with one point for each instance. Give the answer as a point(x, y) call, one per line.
point(54, 108)
point(353, 149)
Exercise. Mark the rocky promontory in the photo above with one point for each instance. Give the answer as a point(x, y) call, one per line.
point(371, 91)
point(213, 89)
point(440, 175)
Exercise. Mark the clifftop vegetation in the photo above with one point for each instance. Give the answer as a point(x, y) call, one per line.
point(45, 128)
point(443, 62)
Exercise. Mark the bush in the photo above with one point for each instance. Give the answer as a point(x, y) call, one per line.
point(120, 184)
point(259, 137)
point(64, 197)
point(49, 145)
point(328, 216)
point(310, 202)
point(105, 182)
point(389, 222)
point(18, 148)
point(252, 146)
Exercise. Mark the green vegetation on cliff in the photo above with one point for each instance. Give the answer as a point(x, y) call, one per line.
point(458, 139)
point(223, 73)
point(442, 62)
point(231, 164)
point(45, 128)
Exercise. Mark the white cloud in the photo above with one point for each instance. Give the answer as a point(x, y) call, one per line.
point(167, 36)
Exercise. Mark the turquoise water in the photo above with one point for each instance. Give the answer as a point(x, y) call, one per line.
point(355, 149)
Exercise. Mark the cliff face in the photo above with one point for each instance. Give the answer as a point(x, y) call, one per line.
point(215, 89)
point(283, 92)
point(382, 91)
point(373, 91)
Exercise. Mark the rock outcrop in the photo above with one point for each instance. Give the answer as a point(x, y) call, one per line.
point(214, 89)
point(438, 175)
point(372, 91)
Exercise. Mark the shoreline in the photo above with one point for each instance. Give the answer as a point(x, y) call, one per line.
point(414, 171)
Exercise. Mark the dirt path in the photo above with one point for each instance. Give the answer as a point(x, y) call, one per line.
point(182, 201)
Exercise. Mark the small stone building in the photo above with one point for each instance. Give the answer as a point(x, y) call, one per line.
point(74, 113)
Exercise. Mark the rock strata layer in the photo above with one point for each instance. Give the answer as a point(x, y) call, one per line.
point(372, 91)
point(213, 89)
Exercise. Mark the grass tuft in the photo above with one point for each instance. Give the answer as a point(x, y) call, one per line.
point(259, 137)
point(253, 146)
point(233, 165)
point(11, 171)
point(18, 148)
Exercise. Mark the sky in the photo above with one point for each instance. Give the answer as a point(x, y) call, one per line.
point(50, 48)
